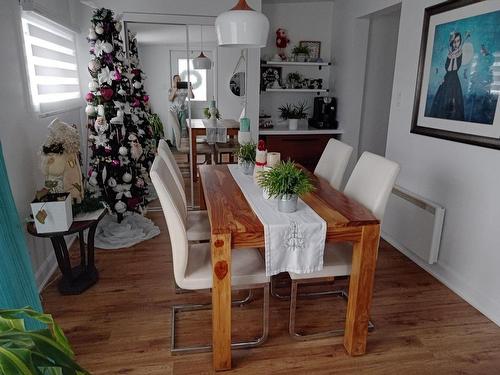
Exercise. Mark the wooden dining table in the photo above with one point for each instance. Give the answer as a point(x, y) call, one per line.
point(234, 225)
point(198, 128)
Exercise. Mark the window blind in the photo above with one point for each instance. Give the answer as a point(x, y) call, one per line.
point(51, 63)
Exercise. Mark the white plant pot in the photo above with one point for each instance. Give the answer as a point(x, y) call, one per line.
point(301, 57)
point(247, 167)
point(293, 123)
point(287, 203)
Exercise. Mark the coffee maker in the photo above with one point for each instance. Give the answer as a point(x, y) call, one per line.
point(324, 113)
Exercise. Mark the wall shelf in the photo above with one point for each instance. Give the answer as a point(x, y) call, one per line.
point(318, 91)
point(296, 63)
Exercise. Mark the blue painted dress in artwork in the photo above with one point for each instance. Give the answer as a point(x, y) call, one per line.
point(449, 100)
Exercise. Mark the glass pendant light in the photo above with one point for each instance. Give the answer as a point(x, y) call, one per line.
point(202, 61)
point(242, 27)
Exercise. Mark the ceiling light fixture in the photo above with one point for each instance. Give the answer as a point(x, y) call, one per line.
point(242, 27)
point(202, 61)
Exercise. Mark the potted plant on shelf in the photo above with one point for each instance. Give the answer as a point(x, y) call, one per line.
point(293, 113)
point(286, 182)
point(43, 351)
point(301, 53)
point(246, 157)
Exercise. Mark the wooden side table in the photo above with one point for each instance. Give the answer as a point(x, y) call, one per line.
point(74, 280)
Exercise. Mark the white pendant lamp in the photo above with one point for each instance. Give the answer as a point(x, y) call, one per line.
point(202, 61)
point(242, 27)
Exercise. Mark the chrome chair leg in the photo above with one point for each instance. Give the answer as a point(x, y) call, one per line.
point(237, 345)
point(238, 302)
point(293, 312)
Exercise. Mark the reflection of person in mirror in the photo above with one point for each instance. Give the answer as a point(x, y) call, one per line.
point(178, 97)
point(449, 100)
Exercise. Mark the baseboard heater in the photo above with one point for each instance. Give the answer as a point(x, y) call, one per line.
point(413, 224)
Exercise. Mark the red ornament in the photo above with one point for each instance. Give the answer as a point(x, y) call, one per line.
point(261, 146)
point(89, 97)
point(281, 42)
point(136, 103)
point(107, 93)
point(146, 98)
point(136, 72)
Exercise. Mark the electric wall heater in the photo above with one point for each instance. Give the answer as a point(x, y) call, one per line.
point(413, 224)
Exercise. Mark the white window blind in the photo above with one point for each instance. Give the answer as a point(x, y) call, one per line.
point(51, 63)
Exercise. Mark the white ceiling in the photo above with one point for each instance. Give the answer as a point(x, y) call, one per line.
point(291, 1)
point(150, 33)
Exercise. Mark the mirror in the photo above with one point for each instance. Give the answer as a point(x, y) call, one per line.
point(237, 84)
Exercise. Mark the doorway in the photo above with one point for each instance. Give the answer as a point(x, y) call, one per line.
point(379, 75)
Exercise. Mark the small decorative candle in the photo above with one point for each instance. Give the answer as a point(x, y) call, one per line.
point(273, 158)
point(260, 159)
point(212, 104)
point(244, 124)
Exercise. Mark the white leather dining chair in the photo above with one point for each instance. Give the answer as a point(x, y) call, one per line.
point(197, 223)
point(333, 162)
point(192, 262)
point(370, 184)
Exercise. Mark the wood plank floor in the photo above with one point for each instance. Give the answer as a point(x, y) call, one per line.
point(122, 324)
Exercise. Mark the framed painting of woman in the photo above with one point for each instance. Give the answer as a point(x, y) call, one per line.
point(458, 81)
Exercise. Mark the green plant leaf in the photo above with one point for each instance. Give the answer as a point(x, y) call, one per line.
point(14, 361)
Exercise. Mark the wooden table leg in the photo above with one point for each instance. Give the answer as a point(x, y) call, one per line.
point(364, 260)
point(194, 156)
point(221, 301)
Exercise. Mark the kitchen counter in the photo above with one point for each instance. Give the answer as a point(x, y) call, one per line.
point(301, 130)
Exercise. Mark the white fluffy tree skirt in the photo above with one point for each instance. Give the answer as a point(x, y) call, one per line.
point(133, 229)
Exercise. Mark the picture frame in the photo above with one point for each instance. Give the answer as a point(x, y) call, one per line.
point(270, 77)
point(458, 87)
point(314, 48)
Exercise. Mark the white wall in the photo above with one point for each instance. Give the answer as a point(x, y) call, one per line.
point(382, 44)
point(463, 178)
point(310, 20)
point(21, 131)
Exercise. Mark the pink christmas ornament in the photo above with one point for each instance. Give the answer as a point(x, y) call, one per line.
point(146, 98)
point(117, 75)
point(89, 97)
point(115, 163)
point(136, 103)
point(107, 93)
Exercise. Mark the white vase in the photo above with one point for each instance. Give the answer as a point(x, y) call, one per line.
point(293, 123)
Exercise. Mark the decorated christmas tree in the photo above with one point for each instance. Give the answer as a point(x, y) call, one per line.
point(139, 103)
point(120, 139)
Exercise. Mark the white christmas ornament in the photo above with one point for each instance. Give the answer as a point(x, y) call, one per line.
point(100, 110)
point(101, 125)
point(120, 207)
point(122, 190)
point(92, 34)
point(123, 151)
point(122, 92)
point(99, 29)
point(137, 84)
point(112, 182)
point(90, 110)
point(104, 174)
point(127, 177)
point(107, 47)
point(94, 65)
point(118, 26)
point(99, 47)
point(93, 85)
point(93, 179)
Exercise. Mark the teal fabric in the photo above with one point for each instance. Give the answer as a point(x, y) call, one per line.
point(17, 283)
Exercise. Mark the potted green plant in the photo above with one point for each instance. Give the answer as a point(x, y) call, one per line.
point(301, 53)
point(286, 182)
point(156, 126)
point(208, 115)
point(44, 351)
point(246, 157)
point(293, 113)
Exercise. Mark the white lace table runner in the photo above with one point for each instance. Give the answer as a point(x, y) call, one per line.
point(294, 242)
point(216, 132)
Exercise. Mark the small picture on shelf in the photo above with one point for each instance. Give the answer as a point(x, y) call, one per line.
point(270, 77)
point(314, 49)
